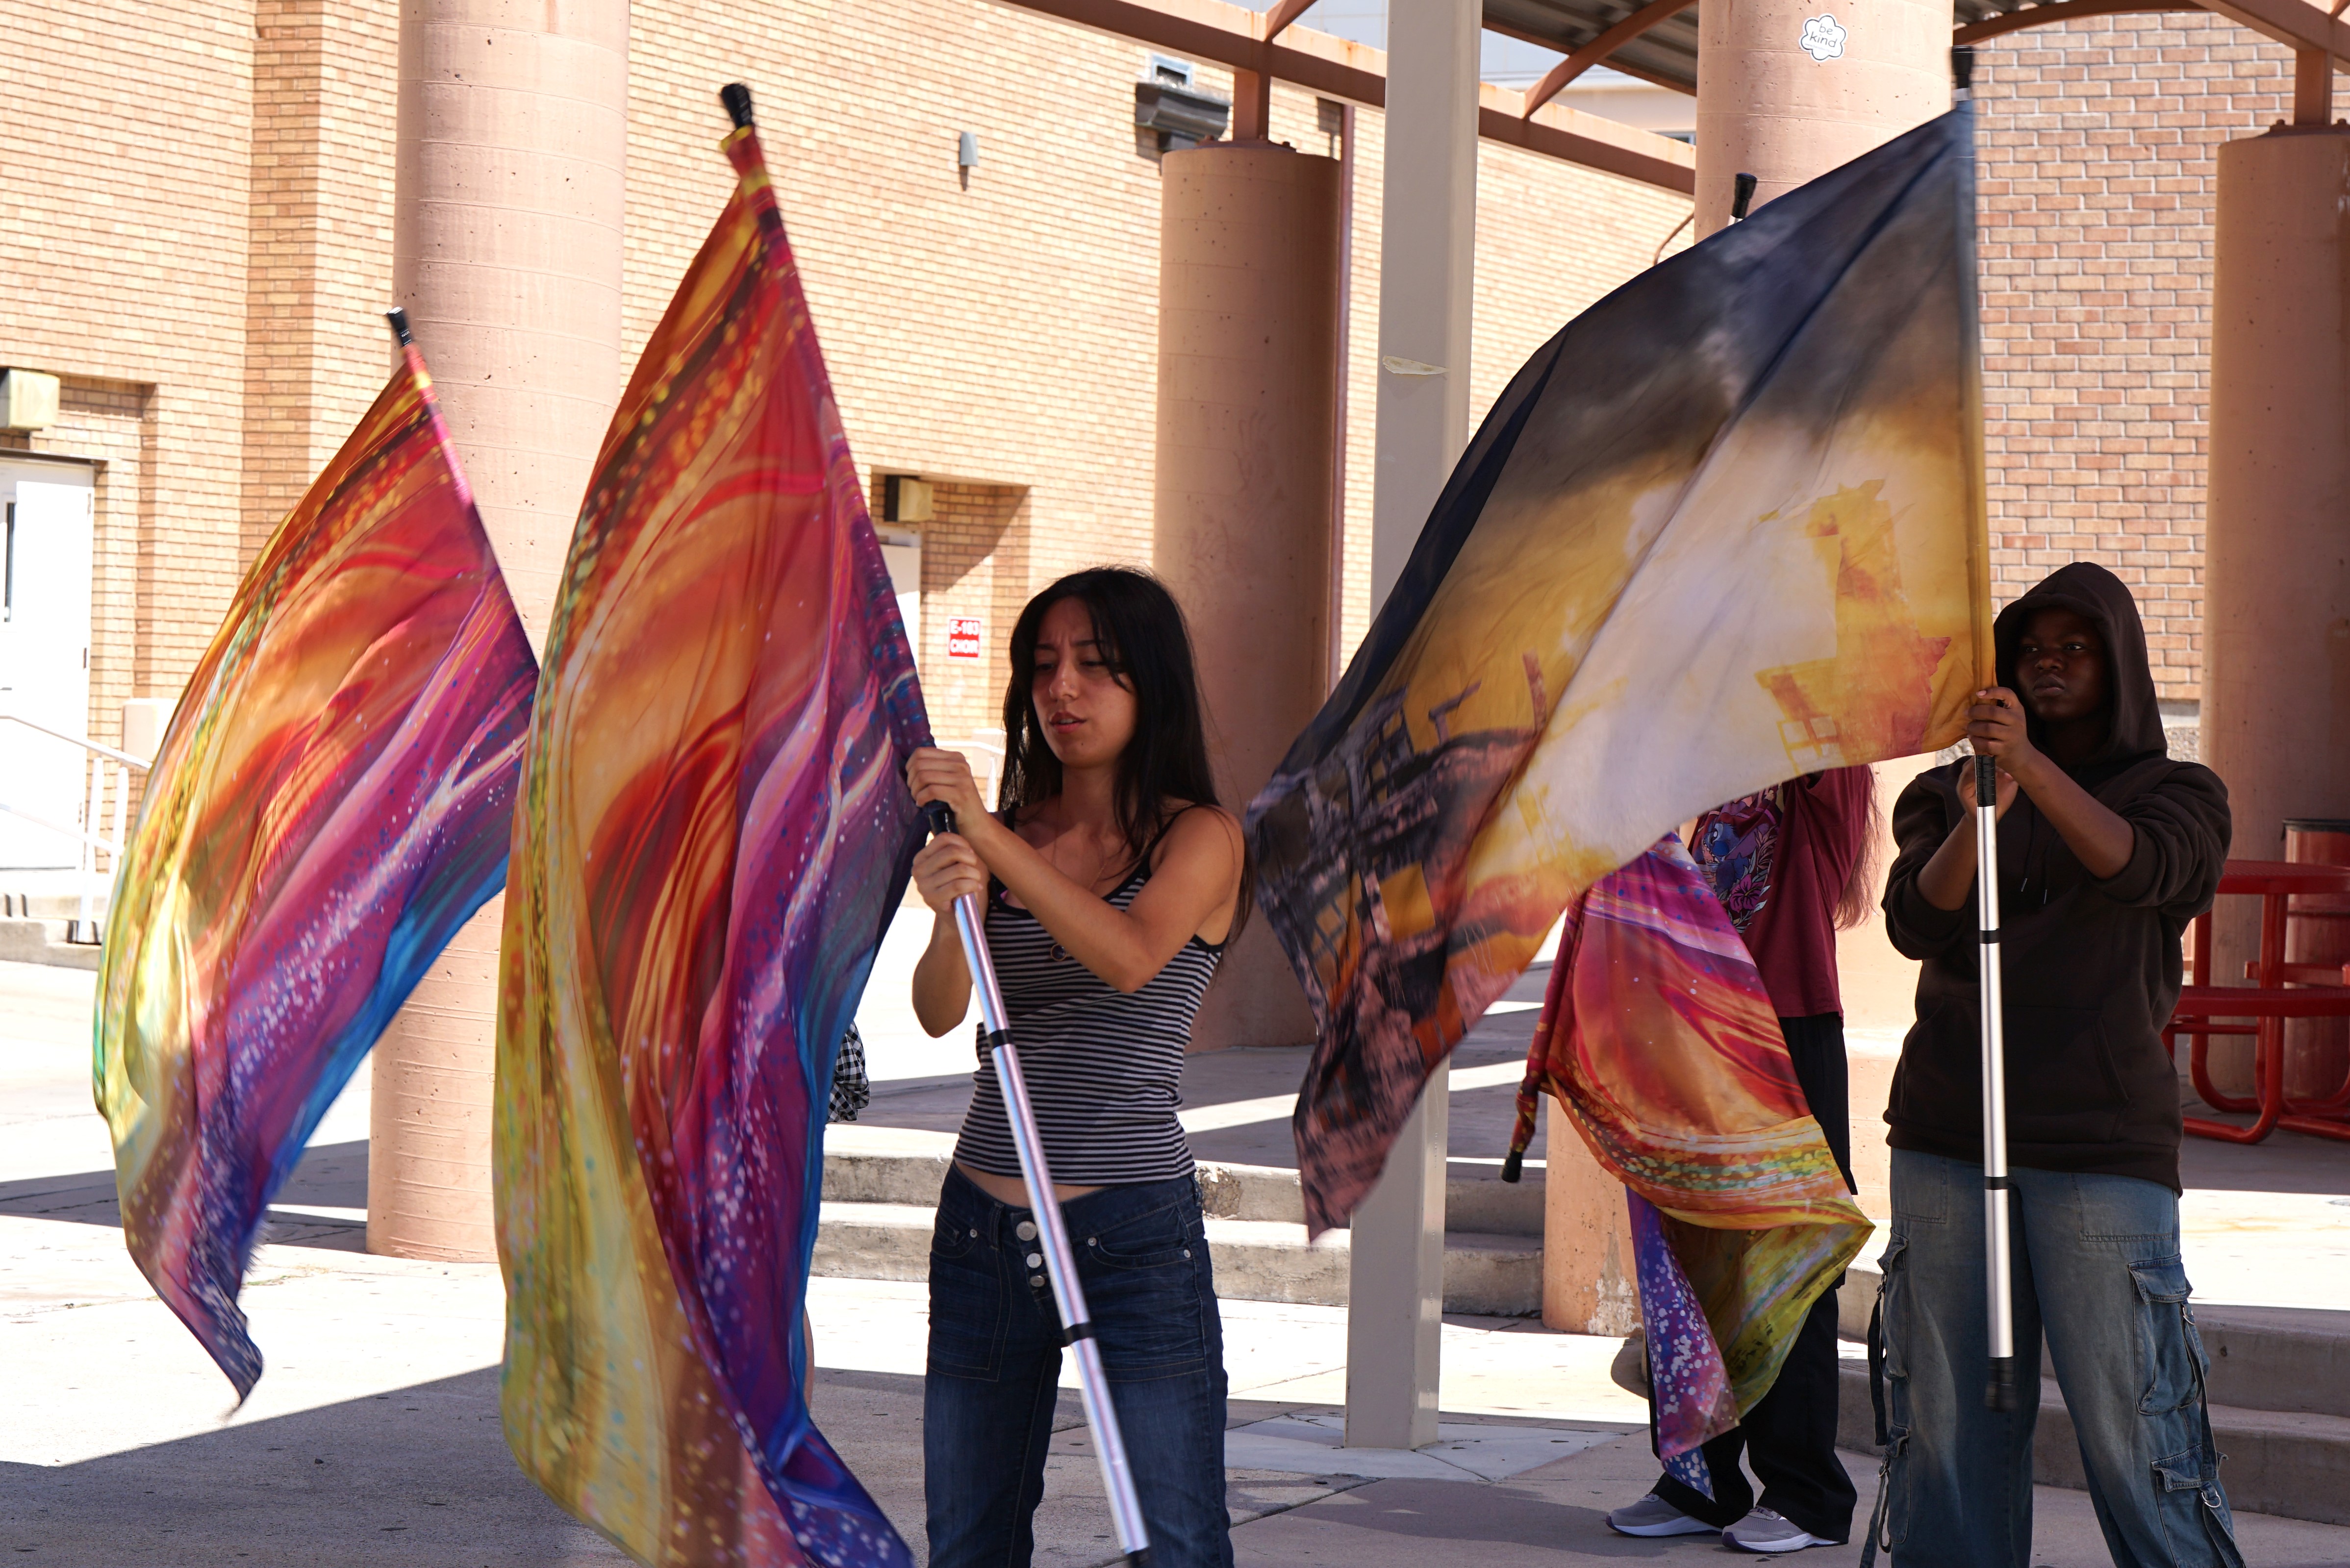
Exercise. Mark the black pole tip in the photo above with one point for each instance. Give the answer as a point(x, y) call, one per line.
point(2000, 1393)
point(1514, 1165)
point(399, 319)
point(737, 99)
point(1742, 196)
point(1962, 69)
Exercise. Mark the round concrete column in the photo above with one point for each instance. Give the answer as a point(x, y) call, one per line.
point(506, 252)
point(2276, 607)
point(1788, 89)
point(1248, 334)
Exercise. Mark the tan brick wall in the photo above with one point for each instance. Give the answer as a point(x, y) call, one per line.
point(319, 268)
point(1007, 332)
point(2098, 185)
point(123, 259)
point(974, 562)
point(216, 312)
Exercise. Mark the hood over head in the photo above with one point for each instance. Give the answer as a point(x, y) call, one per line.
point(2134, 728)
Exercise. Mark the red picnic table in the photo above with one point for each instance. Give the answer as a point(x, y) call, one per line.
point(2281, 991)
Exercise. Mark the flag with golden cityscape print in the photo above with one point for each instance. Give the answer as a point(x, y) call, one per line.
point(1725, 529)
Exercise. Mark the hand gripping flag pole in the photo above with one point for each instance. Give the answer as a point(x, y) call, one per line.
point(1051, 1236)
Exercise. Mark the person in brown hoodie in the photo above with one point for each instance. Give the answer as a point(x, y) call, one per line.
point(2107, 848)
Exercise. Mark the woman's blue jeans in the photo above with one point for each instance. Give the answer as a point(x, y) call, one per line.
point(995, 1361)
point(2097, 1270)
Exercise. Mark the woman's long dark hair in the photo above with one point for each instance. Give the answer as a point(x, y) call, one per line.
point(1142, 637)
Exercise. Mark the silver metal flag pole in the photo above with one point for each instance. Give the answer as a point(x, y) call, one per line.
point(1053, 1253)
point(1998, 1270)
point(2000, 1393)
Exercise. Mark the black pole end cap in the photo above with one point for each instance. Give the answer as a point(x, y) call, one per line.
point(1962, 69)
point(399, 319)
point(1742, 196)
point(737, 99)
point(1514, 1166)
point(2000, 1393)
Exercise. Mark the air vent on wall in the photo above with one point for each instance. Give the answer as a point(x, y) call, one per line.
point(904, 499)
point(1180, 117)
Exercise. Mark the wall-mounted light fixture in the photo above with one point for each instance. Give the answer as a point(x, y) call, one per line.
point(966, 156)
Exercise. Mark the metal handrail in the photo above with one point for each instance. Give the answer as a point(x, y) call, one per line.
point(125, 758)
point(21, 814)
point(91, 843)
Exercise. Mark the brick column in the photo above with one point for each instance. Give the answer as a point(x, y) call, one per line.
point(507, 255)
point(1788, 89)
point(2276, 627)
point(1248, 380)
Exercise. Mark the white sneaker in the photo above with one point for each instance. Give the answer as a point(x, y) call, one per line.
point(1652, 1515)
point(1763, 1530)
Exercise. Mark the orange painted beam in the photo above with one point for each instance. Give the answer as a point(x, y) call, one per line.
point(1600, 47)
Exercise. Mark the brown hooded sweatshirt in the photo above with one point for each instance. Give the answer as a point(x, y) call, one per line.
point(2090, 967)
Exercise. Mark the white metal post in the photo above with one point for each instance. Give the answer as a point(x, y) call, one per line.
point(1428, 239)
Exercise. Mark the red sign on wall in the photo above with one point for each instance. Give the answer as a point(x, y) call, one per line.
point(964, 635)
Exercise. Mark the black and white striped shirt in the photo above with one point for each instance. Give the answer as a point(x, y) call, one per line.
point(1104, 1069)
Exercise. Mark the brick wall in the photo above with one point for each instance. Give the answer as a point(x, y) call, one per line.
point(319, 267)
point(2099, 146)
point(216, 311)
point(123, 259)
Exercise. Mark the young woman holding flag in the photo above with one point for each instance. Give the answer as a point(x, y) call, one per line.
point(1112, 882)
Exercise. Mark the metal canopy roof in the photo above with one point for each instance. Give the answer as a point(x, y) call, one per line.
point(1666, 54)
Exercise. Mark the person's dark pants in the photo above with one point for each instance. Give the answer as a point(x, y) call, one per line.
point(995, 1361)
point(1788, 1436)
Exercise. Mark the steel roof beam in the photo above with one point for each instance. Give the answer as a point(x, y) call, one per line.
point(1194, 29)
point(1606, 44)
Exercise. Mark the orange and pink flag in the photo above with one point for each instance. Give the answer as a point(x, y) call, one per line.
point(713, 833)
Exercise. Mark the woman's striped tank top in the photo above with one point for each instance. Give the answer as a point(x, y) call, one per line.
point(1103, 1068)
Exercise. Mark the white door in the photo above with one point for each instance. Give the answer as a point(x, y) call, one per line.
point(903, 554)
point(45, 554)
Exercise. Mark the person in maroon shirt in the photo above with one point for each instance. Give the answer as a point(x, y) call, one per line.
point(1790, 865)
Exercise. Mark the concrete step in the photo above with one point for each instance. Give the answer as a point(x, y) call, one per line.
point(17, 904)
point(2288, 1463)
point(899, 1165)
point(2289, 1360)
point(882, 1188)
point(1256, 1260)
point(44, 941)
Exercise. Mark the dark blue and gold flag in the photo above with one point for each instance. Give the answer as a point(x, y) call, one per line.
point(1725, 529)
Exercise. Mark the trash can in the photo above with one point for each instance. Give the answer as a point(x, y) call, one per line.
point(2317, 1050)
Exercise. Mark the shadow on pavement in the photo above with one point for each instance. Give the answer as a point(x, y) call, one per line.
point(330, 1176)
point(418, 1477)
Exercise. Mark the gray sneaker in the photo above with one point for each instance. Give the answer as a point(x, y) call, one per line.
point(1652, 1515)
point(1763, 1530)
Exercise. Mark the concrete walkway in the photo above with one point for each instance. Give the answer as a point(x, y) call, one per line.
point(374, 1437)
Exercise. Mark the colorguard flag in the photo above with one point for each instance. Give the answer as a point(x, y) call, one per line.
point(1659, 1042)
point(1724, 529)
point(714, 832)
point(329, 804)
